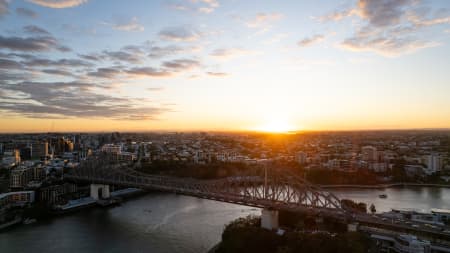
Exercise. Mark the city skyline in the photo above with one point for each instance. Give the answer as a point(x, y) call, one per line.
point(83, 65)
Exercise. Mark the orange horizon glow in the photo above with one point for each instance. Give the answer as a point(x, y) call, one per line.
point(27, 125)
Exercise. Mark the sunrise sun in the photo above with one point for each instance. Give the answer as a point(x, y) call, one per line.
point(276, 124)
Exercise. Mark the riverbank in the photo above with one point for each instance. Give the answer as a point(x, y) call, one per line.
point(42, 212)
point(382, 186)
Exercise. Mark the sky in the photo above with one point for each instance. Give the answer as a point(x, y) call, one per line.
point(219, 65)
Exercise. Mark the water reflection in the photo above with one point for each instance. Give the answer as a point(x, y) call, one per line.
point(421, 198)
point(172, 223)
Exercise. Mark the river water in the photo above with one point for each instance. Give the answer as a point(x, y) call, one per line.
point(159, 222)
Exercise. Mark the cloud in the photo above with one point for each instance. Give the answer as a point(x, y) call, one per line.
point(24, 12)
point(179, 33)
point(167, 69)
point(229, 53)
point(105, 73)
point(179, 7)
point(421, 19)
point(35, 30)
point(217, 74)
point(164, 51)
point(131, 25)
point(201, 6)
point(126, 54)
point(210, 5)
point(206, 10)
point(58, 72)
point(62, 100)
point(58, 4)
point(181, 64)
point(92, 57)
point(388, 27)
point(4, 7)
point(337, 15)
point(9, 64)
point(386, 46)
point(148, 72)
point(32, 44)
point(306, 42)
point(263, 19)
point(62, 63)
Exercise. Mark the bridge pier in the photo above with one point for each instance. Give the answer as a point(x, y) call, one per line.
point(269, 219)
point(100, 191)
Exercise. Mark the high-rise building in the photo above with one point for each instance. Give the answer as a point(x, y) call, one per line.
point(434, 162)
point(39, 149)
point(369, 153)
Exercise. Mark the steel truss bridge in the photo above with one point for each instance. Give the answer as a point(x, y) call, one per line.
point(275, 189)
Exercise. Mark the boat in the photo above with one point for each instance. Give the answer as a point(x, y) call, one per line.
point(29, 221)
point(382, 196)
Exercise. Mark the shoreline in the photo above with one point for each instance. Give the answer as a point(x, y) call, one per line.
point(381, 186)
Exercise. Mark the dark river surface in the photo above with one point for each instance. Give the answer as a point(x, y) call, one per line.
point(159, 222)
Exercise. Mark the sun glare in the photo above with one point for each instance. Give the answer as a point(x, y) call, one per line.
point(276, 125)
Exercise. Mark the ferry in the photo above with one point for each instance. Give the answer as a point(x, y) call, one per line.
point(29, 221)
point(382, 196)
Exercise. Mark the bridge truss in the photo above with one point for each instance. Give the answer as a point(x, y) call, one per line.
point(266, 188)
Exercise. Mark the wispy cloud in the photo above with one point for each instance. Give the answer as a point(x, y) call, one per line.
point(35, 30)
point(210, 5)
point(149, 72)
point(58, 4)
point(126, 54)
point(169, 50)
point(58, 72)
point(107, 73)
point(263, 19)
point(230, 53)
point(306, 42)
point(32, 44)
point(199, 6)
point(9, 64)
point(131, 25)
point(217, 74)
point(24, 12)
point(181, 64)
point(179, 33)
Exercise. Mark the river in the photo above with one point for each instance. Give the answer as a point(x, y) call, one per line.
point(159, 222)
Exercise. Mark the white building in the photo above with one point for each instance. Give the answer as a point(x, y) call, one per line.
point(410, 244)
point(402, 244)
point(434, 163)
